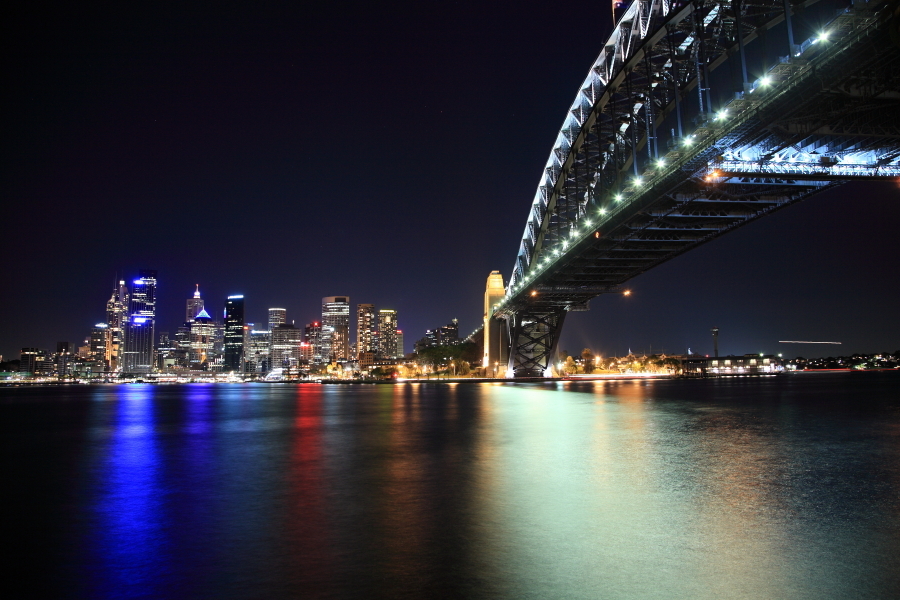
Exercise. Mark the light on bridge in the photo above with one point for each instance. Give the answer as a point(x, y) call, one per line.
point(618, 197)
point(660, 163)
point(637, 181)
point(721, 114)
point(823, 37)
point(626, 293)
point(765, 80)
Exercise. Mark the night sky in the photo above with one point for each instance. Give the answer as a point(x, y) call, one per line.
point(388, 152)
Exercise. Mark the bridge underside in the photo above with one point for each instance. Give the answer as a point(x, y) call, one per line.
point(599, 229)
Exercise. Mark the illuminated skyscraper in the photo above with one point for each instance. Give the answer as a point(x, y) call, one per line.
point(335, 328)
point(313, 337)
point(365, 327)
point(277, 316)
point(387, 334)
point(234, 333)
point(203, 336)
point(116, 316)
point(194, 306)
point(140, 330)
point(285, 351)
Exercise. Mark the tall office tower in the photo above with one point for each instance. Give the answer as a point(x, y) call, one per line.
point(313, 337)
point(203, 335)
point(116, 316)
point(193, 306)
point(336, 316)
point(234, 333)
point(257, 343)
point(365, 328)
point(99, 344)
point(387, 334)
point(285, 349)
point(277, 316)
point(140, 330)
point(400, 352)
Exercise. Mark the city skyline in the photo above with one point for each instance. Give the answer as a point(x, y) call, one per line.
point(153, 142)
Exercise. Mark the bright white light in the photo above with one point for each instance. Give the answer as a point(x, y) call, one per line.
point(637, 181)
point(660, 163)
point(721, 115)
point(823, 37)
point(587, 222)
point(688, 141)
point(602, 211)
point(765, 80)
point(618, 197)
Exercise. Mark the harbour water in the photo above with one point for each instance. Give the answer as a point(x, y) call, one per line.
point(770, 487)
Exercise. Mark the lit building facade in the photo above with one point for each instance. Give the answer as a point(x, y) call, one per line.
point(203, 337)
point(257, 343)
point(234, 333)
point(336, 328)
point(387, 334)
point(365, 328)
point(285, 352)
point(313, 336)
point(277, 316)
point(193, 306)
point(116, 316)
point(140, 330)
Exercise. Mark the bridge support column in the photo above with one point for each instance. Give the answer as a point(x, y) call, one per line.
point(533, 341)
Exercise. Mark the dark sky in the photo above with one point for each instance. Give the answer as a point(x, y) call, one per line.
point(388, 152)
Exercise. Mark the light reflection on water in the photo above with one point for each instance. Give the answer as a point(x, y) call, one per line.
point(762, 488)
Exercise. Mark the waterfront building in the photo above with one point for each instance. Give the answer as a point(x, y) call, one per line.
point(202, 345)
point(140, 329)
point(387, 334)
point(193, 306)
point(116, 316)
point(400, 348)
point(64, 356)
point(748, 364)
point(234, 333)
point(285, 350)
point(168, 354)
point(100, 351)
point(313, 336)
point(257, 343)
point(365, 328)
point(277, 316)
point(27, 359)
point(335, 328)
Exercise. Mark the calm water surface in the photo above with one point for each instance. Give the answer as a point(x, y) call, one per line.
point(745, 488)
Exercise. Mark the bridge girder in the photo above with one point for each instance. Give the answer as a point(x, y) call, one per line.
point(620, 194)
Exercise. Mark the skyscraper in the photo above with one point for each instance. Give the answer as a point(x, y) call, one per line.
point(140, 330)
point(313, 337)
point(193, 306)
point(336, 328)
point(387, 334)
point(277, 316)
point(116, 316)
point(365, 328)
point(234, 333)
point(203, 335)
point(285, 350)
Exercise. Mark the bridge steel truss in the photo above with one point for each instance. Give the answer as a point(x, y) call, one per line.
point(660, 152)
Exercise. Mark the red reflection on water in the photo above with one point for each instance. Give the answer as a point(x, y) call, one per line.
point(308, 524)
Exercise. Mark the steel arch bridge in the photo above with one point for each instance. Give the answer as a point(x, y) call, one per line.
point(698, 117)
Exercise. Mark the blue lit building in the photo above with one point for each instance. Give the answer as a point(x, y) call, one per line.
point(140, 327)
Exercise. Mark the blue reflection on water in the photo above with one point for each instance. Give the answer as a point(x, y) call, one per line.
point(129, 510)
